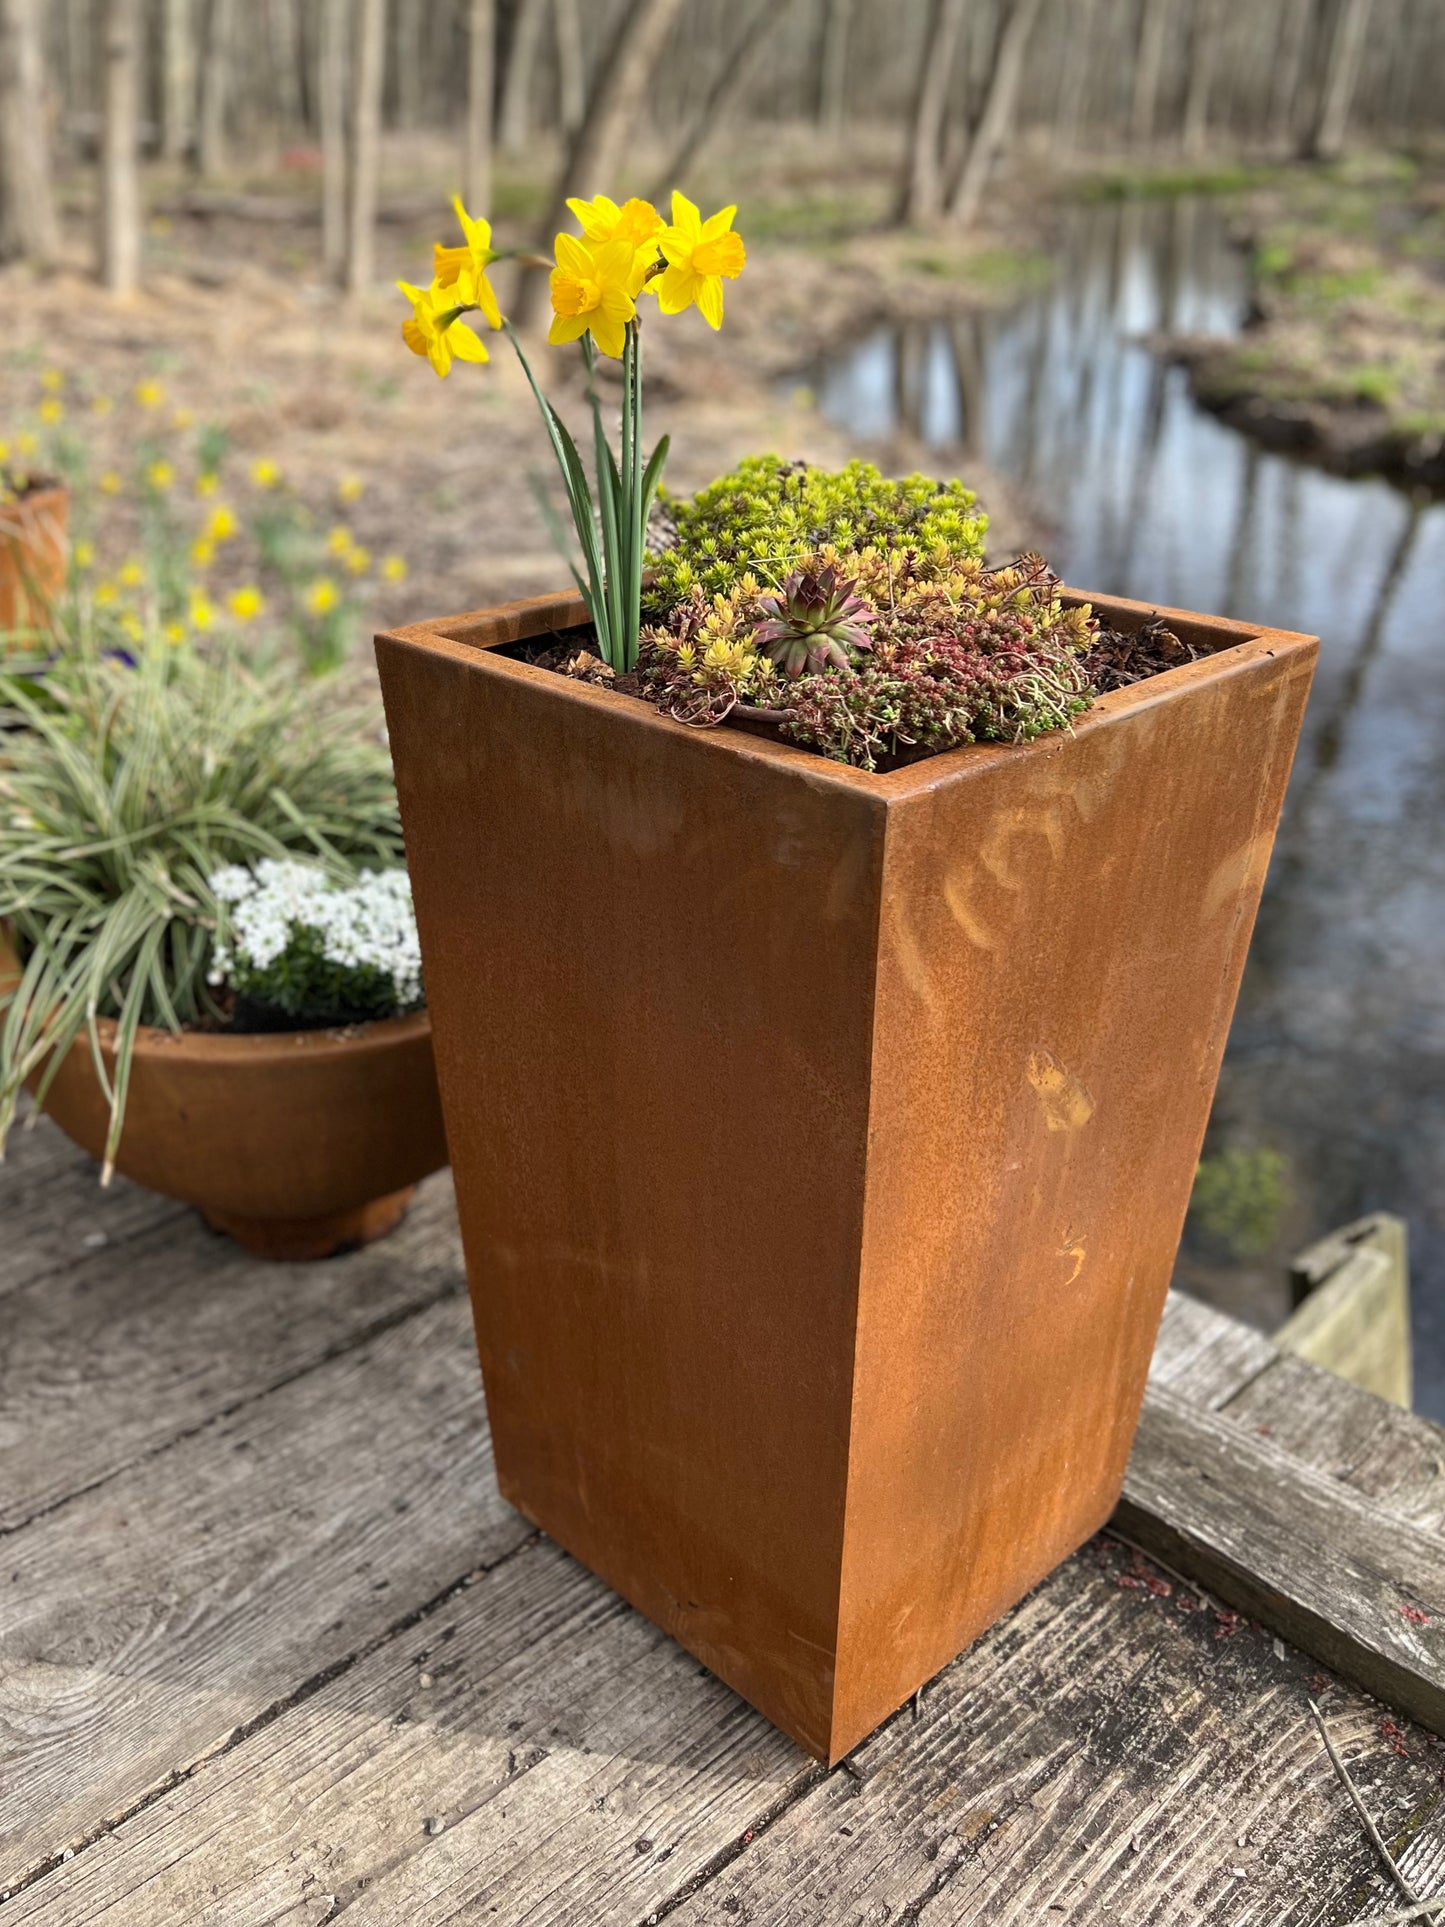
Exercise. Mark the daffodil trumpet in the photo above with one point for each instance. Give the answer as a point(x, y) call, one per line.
point(597, 280)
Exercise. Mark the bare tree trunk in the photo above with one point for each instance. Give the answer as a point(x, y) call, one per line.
point(571, 65)
point(996, 119)
point(481, 69)
point(27, 206)
point(331, 92)
point(516, 114)
point(1347, 46)
point(1289, 61)
point(922, 197)
point(368, 74)
point(406, 53)
point(596, 153)
point(215, 88)
point(735, 75)
point(833, 65)
point(178, 78)
point(1148, 65)
point(1078, 68)
point(119, 168)
point(1203, 56)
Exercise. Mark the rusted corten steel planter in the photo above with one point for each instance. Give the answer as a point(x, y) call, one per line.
point(297, 1144)
point(32, 556)
point(822, 1140)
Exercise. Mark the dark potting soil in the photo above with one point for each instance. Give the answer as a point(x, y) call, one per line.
point(15, 488)
point(1118, 658)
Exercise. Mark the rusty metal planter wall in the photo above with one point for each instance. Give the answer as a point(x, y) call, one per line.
point(822, 1139)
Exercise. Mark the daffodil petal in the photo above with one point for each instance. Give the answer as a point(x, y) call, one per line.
point(565, 328)
point(718, 223)
point(609, 333)
point(710, 299)
point(676, 289)
point(439, 353)
point(487, 301)
point(449, 264)
point(573, 256)
point(467, 346)
point(617, 303)
point(412, 335)
point(685, 215)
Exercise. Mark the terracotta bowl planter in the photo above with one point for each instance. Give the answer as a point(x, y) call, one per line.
point(32, 556)
point(297, 1144)
point(823, 1139)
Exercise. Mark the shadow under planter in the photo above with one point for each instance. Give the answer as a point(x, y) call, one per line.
point(297, 1144)
point(822, 1139)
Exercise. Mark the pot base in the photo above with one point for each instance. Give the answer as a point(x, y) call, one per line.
point(299, 1240)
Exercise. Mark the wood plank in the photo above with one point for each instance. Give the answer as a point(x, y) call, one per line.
point(1395, 1457)
point(1333, 1571)
point(1355, 1319)
point(118, 1354)
point(1100, 1759)
point(143, 1623)
point(1205, 1356)
point(54, 1213)
point(559, 1730)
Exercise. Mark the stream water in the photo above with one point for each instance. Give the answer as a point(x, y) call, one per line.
point(1337, 1055)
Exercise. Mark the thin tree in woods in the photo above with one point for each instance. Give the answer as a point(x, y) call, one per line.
point(998, 115)
point(481, 42)
point(367, 78)
point(1203, 59)
point(333, 43)
point(737, 71)
point(833, 65)
point(1148, 67)
point(178, 78)
point(514, 124)
point(120, 211)
point(1347, 46)
point(922, 196)
point(27, 207)
point(595, 154)
point(215, 84)
point(571, 65)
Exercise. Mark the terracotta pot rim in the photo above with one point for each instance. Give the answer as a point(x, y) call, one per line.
point(51, 488)
point(1232, 646)
point(256, 1049)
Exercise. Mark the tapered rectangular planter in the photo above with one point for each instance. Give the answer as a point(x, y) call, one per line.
point(822, 1140)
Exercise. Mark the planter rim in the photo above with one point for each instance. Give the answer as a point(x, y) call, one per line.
point(51, 487)
point(259, 1049)
point(478, 635)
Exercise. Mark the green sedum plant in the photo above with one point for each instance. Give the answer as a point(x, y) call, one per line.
point(126, 786)
point(766, 515)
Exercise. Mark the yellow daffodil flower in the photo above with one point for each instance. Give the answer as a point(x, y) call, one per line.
point(246, 604)
point(393, 568)
point(52, 381)
point(105, 594)
point(221, 524)
point(207, 482)
point(84, 554)
point(149, 394)
point(51, 411)
point(338, 541)
point(131, 576)
point(350, 488)
point(132, 628)
point(265, 473)
point(175, 634)
point(110, 483)
point(699, 255)
point(4, 451)
point(203, 552)
point(202, 613)
point(161, 476)
point(466, 267)
point(436, 328)
point(322, 596)
point(591, 292)
point(358, 560)
point(636, 222)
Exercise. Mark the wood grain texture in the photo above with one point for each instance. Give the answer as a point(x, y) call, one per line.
point(581, 1764)
point(103, 1361)
point(1205, 1356)
point(146, 1621)
point(1102, 1758)
point(1335, 1572)
point(54, 1213)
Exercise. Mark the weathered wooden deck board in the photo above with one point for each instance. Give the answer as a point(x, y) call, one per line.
point(149, 1619)
point(184, 1327)
point(212, 1671)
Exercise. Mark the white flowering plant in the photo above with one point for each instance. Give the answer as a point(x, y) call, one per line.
point(300, 950)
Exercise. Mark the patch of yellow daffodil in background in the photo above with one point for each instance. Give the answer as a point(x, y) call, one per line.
point(188, 541)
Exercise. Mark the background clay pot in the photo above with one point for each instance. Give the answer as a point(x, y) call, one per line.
point(32, 556)
point(850, 1123)
point(297, 1143)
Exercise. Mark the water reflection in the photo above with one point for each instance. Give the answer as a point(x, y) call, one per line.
point(1338, 1050)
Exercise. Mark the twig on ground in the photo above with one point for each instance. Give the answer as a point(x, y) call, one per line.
point(1419, 1909)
